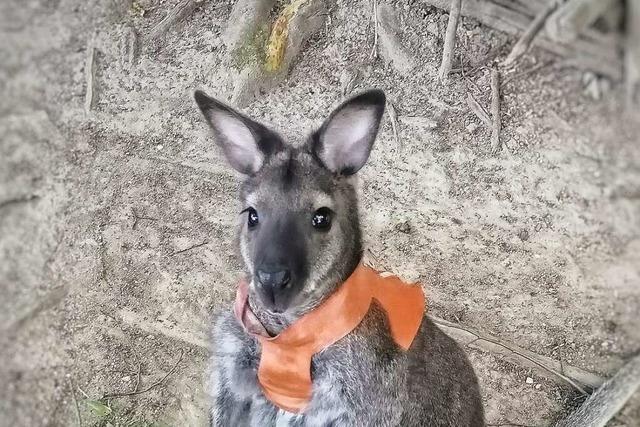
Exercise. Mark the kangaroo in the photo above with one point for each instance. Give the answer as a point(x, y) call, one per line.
point(300, 239)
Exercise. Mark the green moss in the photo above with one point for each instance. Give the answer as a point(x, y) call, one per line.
point(252, 50)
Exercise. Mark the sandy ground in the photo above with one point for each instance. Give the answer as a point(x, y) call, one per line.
point(116, 227)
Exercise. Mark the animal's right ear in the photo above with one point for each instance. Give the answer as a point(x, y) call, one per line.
point(245, 142)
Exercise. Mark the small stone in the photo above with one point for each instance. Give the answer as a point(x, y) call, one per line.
point(126, 379)
point(404, 227)
point(529, 380)
point(593, 90)
point(432, 28)
point(159, 147)
point(523, 235)
point(538, 386)
point(588, 77)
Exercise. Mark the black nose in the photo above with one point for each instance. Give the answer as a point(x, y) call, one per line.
point(276, 280)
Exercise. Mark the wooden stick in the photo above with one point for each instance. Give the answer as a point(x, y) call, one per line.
point(16, 200)
point(374, 49)
point(480, 112)
point(393, 117)
point(90, 75)
point(177, 14)
point(524, 43)
point(156, 384)
point(573, 376)
point(181, 251)
point(132, 46)
point(450, 40)
point(495, 109)
point(526, 72)
point(591, 51)
point(574, 16)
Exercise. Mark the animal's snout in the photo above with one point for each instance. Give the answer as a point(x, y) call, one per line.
point(273, 281)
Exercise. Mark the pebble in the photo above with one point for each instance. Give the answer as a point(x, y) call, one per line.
point(538, 386)
point(523, 235)
point(404, 227)
point(126, 379)
point(432, 27)
point(529, 380)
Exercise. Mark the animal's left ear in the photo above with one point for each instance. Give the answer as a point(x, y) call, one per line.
point(344, 141)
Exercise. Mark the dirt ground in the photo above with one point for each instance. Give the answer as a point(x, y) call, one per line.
point(117, 227)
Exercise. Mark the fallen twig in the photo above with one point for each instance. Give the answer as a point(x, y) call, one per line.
point(591, 51)
point(536, 359)
point(393, 117)
point(450, 40)
point(523, 44)
point(138, 378)
point(189, 248)
point(177, 14)
point(90, 75)
point(132, 46)
point(374, 49)
point(526, 72)
point(17, 200)
point(154, 385)
point(139, 217)
point(495, 110)
point(477, 109)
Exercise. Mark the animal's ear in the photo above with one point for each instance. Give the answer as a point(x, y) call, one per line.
point(344, 141)
point(245, 142)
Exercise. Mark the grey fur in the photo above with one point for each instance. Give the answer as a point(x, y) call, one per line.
point(608, 399)
point(364, 379)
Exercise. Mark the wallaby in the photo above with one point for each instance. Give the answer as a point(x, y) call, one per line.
point(300, 239)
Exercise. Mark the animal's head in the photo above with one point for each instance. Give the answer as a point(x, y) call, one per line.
point(299, 228)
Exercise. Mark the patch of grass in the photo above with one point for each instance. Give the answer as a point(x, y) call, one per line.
point(137, 9)
point(98, 408)
point(98, 413)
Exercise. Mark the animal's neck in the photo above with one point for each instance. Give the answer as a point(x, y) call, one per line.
point(275, 323)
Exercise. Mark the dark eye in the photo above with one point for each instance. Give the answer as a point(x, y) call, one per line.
point(322, 219)
point(252, 217)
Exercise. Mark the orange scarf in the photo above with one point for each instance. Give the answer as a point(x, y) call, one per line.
point(285, 363)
